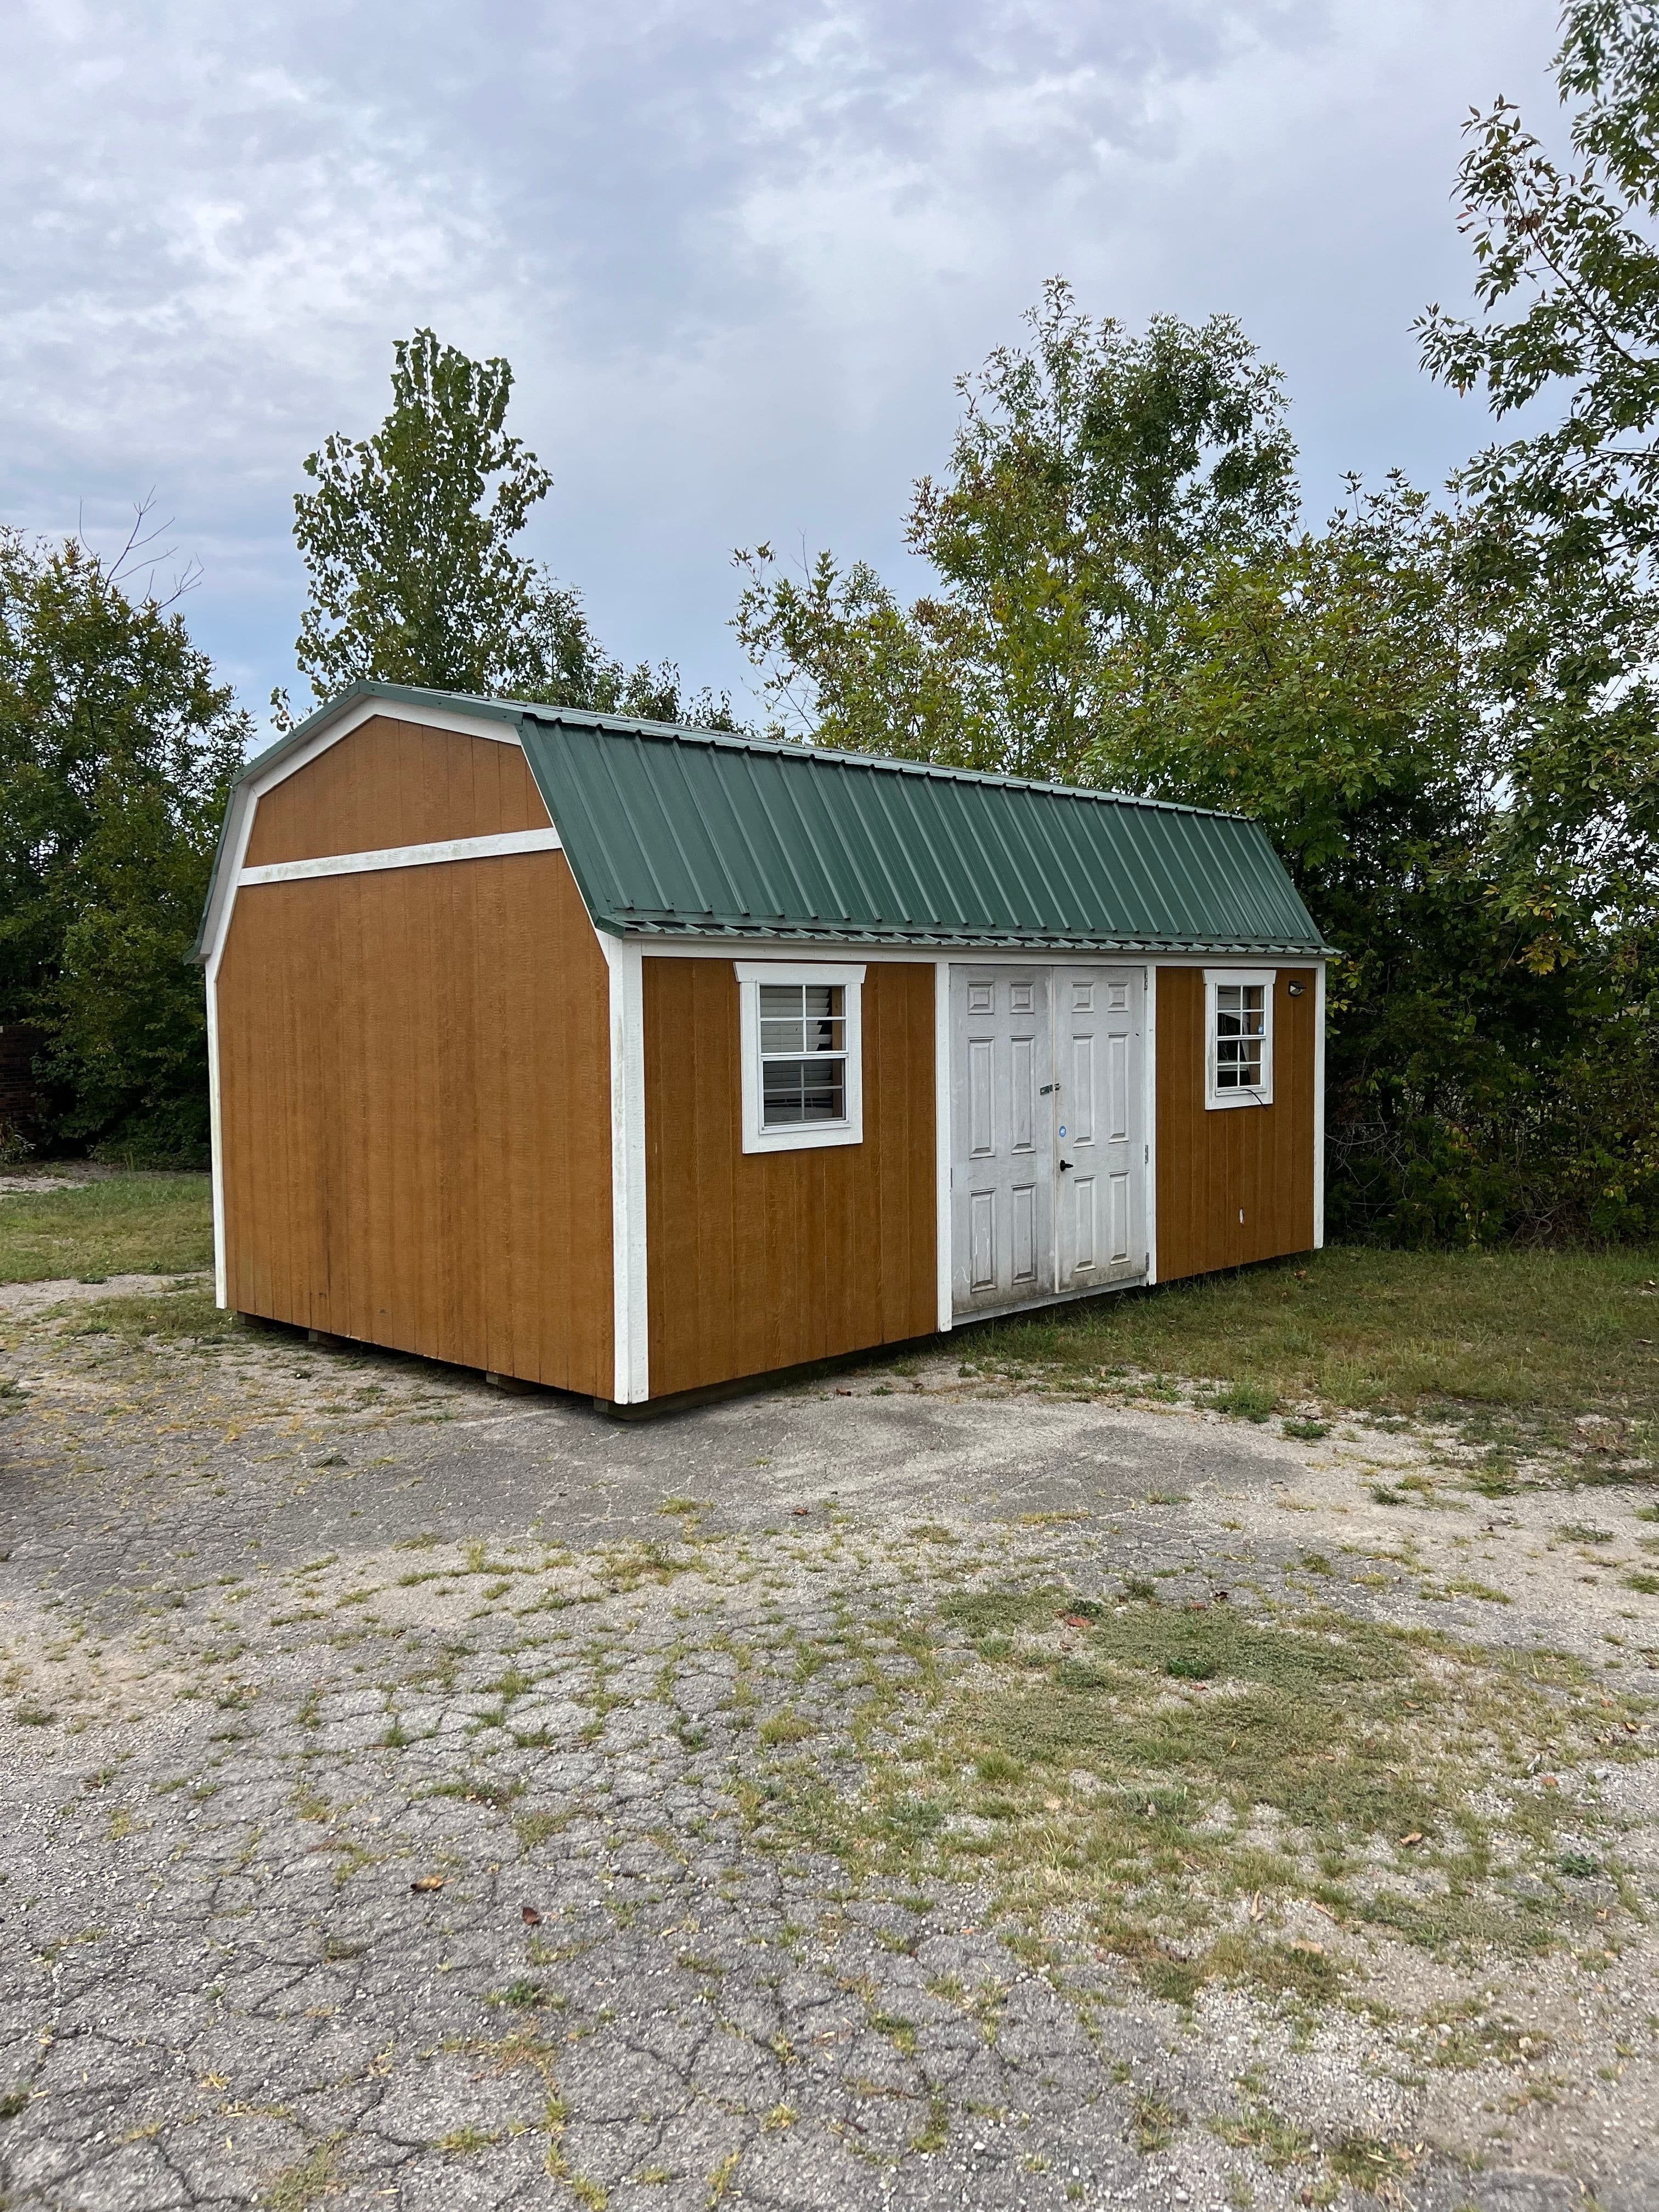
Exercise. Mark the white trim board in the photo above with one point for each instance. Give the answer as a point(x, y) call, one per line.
point(405, 856)
point(945, 1222)
point(806, 951)
point(1319, 1108)
point(630, 1306)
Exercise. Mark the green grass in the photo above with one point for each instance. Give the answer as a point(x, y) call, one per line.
point(1527, 1332)
point(188, 1311)
point(126, 1224)
point(1120, 1778)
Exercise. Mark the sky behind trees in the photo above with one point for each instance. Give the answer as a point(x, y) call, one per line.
point(736, 253)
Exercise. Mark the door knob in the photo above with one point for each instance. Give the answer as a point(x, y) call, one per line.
point(1064, 1165)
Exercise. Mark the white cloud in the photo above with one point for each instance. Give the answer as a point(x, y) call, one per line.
point(735, 252)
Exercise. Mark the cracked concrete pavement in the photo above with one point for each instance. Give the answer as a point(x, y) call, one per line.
point(387, 1772)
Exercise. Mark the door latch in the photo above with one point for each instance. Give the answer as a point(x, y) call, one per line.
point(1065, 1165)
point(1047, 1088)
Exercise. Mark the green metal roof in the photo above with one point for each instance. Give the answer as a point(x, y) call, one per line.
point(680, 833)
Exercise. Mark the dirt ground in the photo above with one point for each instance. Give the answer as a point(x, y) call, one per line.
point(894, 1789)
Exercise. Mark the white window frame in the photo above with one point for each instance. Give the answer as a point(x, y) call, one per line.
point(802, 1136)
point(1215, 1100)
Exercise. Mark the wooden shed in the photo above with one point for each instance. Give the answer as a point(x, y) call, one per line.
point(635, 1059)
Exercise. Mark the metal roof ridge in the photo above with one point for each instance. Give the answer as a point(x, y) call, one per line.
point(739, 740)
point(803, 748)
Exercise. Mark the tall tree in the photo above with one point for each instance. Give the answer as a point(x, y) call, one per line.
point(409, 539)
point(1438, 725)
point(117, 752)
point(1092, 469)
point(1568, 274)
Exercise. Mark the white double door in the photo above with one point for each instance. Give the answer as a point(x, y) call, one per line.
point(1048, 1149)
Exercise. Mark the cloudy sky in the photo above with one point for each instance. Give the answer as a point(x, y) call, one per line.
point(735, 250)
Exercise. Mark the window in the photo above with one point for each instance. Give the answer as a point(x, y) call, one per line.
point(802, 1065)
point(1238, 1006)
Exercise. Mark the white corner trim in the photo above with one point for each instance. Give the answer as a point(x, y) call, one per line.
point(1216, 1102)
point(944, 1226)
point(1149, 1071)
point(403, 856)
point(800, 1136)
point(1319, 1106)
point(631, 1308)
point(216, 1146)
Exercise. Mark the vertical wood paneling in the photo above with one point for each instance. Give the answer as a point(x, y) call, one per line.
point(415, 1114)
point(395, 783)
point(765, 1260)
point(1256, 1159)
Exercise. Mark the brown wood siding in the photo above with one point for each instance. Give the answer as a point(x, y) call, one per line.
point(763, 1260)
point(415, 1101)
point(395, 783)
point(1213, 1165)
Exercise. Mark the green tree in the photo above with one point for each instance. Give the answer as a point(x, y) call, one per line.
point(1092, 470)
point(117, 753)
point(1438, 726)
point(408, 541)
point(1568, 274)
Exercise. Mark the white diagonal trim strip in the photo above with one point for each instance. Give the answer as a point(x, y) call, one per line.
point(405, 856)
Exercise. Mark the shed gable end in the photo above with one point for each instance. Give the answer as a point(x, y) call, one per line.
point(393, 782)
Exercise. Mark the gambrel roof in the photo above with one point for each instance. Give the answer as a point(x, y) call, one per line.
point(675, 833)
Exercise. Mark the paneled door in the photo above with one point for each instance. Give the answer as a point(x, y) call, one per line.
point(1002, 1157)
point(1100, 1189)
point(1049, 1145)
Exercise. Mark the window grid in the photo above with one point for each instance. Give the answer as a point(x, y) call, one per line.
point(803, 1051)
point(1241, 1029)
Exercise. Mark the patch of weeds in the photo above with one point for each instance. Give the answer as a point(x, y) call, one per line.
point(1577, 1866)
point(533, 1828)
point(34, 1716)
point(1305, 1433)
point(1466, 1586)
point(1368, 2164)
point(988, 1612)
point(784, 1727)
point(525, 1996)
point(1277, 2142)
point(1087, 1782)
point(1246, 1401)
point(167, 1317)
point(337, 1949)
point(1315, 1563)
point(308, 2180)
point(1579, 1532)
point(935, 2131)
point(1643, 1583)
point(1138, 1587)
point(464, 2143)
point(498, 1796)
point(898, 2031)
point(720, 2180)
point(1153, 2123)
point(13, 2101)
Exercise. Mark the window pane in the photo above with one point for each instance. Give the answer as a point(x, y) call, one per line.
point(794, 1092)
point(780, 1008)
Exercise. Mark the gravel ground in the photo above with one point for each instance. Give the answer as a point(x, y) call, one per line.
point(411, 1802)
